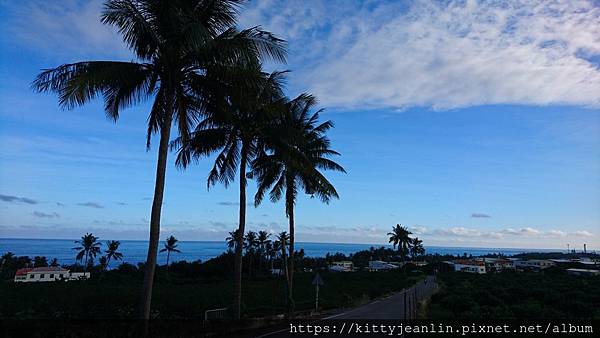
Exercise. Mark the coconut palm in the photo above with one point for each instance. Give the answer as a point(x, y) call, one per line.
point(54, 262)
point(250, 244)
point(416, 248)
point(232, 240)
point(112, 253)
point(400, 236)
point(262, 241)
point(175, 43)
point(236, 128)
point(282, 243)
point(296, 152)
point(170, 246)
point(88, 248)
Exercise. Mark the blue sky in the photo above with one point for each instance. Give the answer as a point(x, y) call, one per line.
point(472, 123)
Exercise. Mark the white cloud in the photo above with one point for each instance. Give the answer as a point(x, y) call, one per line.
point(557, 233)
point(583, 233)
point(443, 56)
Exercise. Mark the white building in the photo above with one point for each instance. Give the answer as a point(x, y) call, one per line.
point(48, 274)
point(341, 266)
point(498, 264)
point(381, 265)
point(469, 265)
point(534, 264)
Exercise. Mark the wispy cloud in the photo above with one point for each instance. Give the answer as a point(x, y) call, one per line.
point(45, 215)
point(441, 54)
point(91, 205)
point(16, 199)
point(583, 233)
point(479, 215)
point(66, 28)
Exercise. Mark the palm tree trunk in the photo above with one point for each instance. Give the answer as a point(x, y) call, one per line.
point(290, 212)
point(237, 270)
point(168, 256)
point(159, 189)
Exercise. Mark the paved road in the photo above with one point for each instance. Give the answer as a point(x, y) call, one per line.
point(393, 307)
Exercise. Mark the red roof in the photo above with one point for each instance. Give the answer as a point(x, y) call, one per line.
point(469, 262)
point(49, 269)
point(23, 272)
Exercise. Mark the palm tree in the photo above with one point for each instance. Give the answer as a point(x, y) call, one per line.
point(232, 240)
point(236, 128)
point(400, 236)
point(54, 262)
point(282, 243)
point(175, 43)
point(296, 150)
point(88, 247)
point(262, 241)
point(416, 247)
point(251, 244)
point(112, 253)
point(170, 246)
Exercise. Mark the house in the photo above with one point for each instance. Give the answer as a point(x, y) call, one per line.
point(381, 265)
point(469, 265)
point(583, 272)
point(498, 264)
point(48, 274)
point(341, 266)
point(534, 264)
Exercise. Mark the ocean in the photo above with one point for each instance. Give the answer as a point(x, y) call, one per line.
point(135, 251)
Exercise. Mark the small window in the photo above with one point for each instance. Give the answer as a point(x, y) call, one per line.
point(31, 276)
point(51, 275)
point(43, 276)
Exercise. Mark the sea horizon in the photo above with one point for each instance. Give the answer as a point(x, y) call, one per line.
point(134, 251)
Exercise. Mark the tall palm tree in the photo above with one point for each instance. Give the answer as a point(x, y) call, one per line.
point(89, 248)
point(112, 253)
point(262, 241)
point(170, 246)
point(296, 152)
point(251, 244)
point(175, 43)
point(282, 243)
point(416, 247)
point(236, 128)
point(232, 240)
point(400, 236)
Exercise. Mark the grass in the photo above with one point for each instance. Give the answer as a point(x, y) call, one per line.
point(115, 296)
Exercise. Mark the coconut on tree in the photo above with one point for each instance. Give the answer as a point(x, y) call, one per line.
point(174, 44)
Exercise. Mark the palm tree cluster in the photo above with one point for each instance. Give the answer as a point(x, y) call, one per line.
point(400, 237)
point(89, 247)
point(261, 253)
point(205, 78)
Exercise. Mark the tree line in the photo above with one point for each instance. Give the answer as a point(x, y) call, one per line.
point(207, 86)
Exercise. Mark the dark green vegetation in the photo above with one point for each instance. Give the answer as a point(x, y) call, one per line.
point(114, 294)
point(551, 294)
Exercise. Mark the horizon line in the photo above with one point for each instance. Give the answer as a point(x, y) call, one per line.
point(371, 244)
